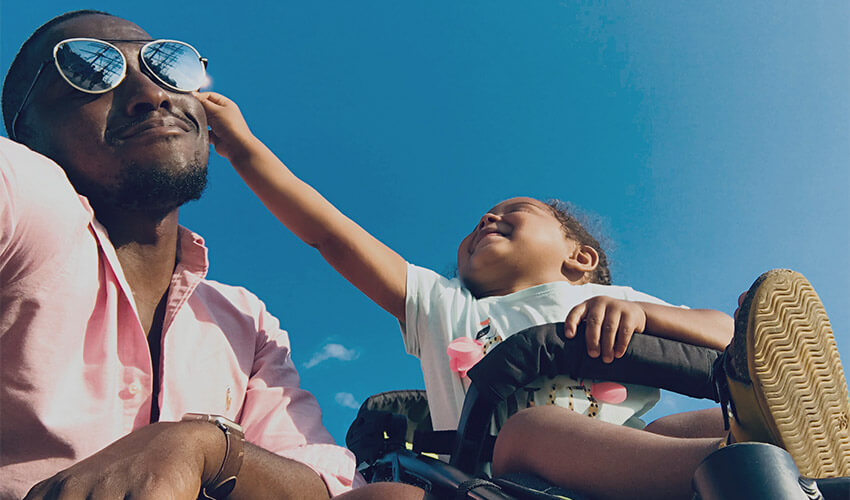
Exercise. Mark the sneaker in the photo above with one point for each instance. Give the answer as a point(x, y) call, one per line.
point(783, 378)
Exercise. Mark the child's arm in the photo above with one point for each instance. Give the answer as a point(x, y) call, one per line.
point(367, 263)
point(610, 324)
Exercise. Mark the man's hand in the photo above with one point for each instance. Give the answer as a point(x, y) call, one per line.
point(166, 460)
point(609, 325)
point(229, 132)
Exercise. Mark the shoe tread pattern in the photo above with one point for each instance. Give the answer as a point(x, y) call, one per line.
point(794, 363)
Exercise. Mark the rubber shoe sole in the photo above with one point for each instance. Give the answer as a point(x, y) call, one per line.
point(797, 392)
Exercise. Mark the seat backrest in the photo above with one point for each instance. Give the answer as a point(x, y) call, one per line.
point(387, 422)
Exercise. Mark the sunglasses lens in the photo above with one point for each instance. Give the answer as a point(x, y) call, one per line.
point(176, 64)
point(90, 65)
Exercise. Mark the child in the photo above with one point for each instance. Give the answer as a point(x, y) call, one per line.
point(781, 374)
point(525, 263)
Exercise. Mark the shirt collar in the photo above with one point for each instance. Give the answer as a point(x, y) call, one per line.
point(192, 254)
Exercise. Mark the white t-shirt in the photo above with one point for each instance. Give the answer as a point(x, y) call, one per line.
point(439, 310)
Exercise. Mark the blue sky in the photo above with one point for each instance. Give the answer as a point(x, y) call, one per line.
point(709, 140)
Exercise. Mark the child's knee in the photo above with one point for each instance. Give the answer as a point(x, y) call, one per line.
point(527, 429)
point(523, 423)
point(693, 424)
point(509, 440)
point(661, 426)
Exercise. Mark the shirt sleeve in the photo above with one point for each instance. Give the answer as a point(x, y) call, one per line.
point(283, 418)
point(433, 303)
point(40, 213)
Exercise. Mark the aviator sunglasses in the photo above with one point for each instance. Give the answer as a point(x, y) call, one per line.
point(96, 66)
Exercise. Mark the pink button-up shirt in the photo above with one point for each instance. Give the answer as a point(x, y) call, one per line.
point(76, 368)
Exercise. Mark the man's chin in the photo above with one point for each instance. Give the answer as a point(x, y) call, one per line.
point(154, 188)
point(160, 190)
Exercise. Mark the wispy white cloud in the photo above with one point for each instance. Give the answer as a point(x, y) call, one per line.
point(332, 351)
point(347, 400)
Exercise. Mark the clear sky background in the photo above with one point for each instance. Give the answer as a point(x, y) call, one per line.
point(710, 140)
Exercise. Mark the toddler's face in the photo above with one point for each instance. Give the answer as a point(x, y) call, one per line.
point(516, 244)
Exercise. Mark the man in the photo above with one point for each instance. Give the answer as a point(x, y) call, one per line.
point(109, 333)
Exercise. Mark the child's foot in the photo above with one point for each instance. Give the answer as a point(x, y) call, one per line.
point(785, 379)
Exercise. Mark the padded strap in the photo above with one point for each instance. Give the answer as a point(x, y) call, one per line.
point(544, 350)
point(465, 487)
point(443, 442)
point(440, 442)
point(530, 487)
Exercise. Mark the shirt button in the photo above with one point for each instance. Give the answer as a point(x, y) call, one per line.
point(134, 388)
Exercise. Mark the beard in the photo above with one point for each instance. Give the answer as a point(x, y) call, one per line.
point(155, 190)
point(159, 190)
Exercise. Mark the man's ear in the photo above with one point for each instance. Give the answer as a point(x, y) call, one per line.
point(584, 259)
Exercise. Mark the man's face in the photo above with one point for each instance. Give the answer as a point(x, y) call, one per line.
point(138, 147)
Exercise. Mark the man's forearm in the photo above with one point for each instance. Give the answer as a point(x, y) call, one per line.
point(266, 475)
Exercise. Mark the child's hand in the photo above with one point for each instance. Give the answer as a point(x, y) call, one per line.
point(609, 325)
point(228, 131)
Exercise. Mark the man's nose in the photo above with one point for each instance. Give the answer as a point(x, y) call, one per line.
point(141, 93)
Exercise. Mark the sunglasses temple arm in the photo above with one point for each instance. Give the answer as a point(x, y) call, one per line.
point(14, 124)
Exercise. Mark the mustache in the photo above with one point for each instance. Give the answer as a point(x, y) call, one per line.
point(115, 134)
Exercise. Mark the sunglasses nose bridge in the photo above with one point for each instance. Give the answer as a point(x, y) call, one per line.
point(141, 92)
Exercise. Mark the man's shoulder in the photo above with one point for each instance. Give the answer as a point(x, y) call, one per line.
point(16, 155)
point(28, 173)
point(41, 215)
point(12, 146)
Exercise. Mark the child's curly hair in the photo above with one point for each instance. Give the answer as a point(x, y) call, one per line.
point(575, 230)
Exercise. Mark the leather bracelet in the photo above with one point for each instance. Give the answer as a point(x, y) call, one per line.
point(220, 486)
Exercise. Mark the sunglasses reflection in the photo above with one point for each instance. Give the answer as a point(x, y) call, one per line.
point(97, 66)
point(89, 65)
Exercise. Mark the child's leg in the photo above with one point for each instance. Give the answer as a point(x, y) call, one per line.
point(692, 424)
point(586, 455)
point(784, 377)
